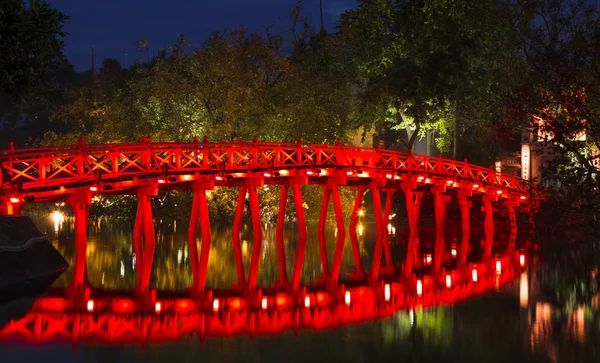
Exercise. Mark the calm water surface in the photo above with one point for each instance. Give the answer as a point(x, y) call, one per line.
point(514, 323)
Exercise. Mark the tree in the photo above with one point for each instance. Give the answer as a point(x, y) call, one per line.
point(427, 63)
point(31, 56)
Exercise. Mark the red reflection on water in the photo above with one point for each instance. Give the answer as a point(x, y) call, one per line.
point(116, 318)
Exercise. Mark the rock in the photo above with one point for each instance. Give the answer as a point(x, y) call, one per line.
point(29, 263)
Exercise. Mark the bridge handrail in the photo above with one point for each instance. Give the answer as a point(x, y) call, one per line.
point(254, 154)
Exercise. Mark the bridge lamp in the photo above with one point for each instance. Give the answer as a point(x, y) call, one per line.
point(160, 181)
point(453, 251)
point(264, 303)
point(428, 259)
point(474, 274)
point(215, 305)
point(522, 259)
point(158, 307)
point(284, 172)
point(347, 298)
point(218, 177)
point(14, 200)
point(389, 176)
point(267, 175)
point(94, 189)
point(448, 281)
point(387, 294)
point(420, 178)
point(310, 172)
point(349, 172)
point(450, 182)
point(419, 287)
point(90, 305)
point(498, 267)
point(307, 301)
point(475, 186)
point(523, 197)
point(499, 192)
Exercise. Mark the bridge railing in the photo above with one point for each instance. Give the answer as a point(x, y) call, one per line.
point(60, 165)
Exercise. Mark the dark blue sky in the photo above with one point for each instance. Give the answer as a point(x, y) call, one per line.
point(111, 26)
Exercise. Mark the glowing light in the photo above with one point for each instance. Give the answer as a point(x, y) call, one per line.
point(122, 269)
point(361, 212)
point(236, 304)
point(522, 260)
point(284, 172)
point(361, 230)
point(389, 227)
point(158, 307)
point(349, 172)
point(281, 300)
point(307, 301)
point(448, 281)
point(474, 275)
point(363, 175)
point(525, 149)
point(215, 305)
point(218, 177)
point(523, 197)
point(498, 267)
point(420, 178)
point(90, 305)
point(396, 177)
point(263, 303)
point(475, 186)
point(161, 181)
point(411, 315)
point(187, 177)
point(524, 290)
point(388, 176)
point(94, 189)
point(15, 200)
point(453, 252)
point(59, 218)
point(450, 182)
point(387, 294)
point(428, 259)
point(498, 192)
point(419, 287)
point(183, 305)
point(310, 172)
point(123, 306)
point(267, 175)
point(347, 298)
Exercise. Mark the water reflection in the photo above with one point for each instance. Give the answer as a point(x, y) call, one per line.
point(508, 321)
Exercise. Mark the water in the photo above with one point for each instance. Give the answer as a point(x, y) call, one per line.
point(514, 323)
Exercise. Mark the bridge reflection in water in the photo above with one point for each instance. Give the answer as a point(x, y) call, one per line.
point(122, 316)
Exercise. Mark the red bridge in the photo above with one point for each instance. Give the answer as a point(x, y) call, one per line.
point(125, 318)
point(75, 173)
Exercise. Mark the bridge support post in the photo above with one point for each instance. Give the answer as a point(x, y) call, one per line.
point(321, 232)
point(512, 216)
point(440, 204)
point(386, 230)
point(359, 272)
point(302, 237)
point(488, 225)
point(413, 210)
point(235, 236)
point(341, 235)
point(144, 239)
point(375, 190)
point(258, 236)
point(200, 213)
point(465, 207)
point(80, 202)
point(283, 194)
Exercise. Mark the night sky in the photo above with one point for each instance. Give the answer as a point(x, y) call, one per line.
point(111, 26)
